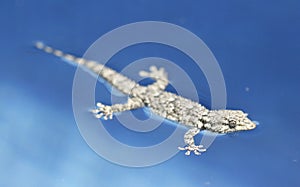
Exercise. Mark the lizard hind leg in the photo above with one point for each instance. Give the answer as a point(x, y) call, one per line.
point(158, 74)
point(103, 111)
point(190, 143)
point(107, 112)
point(154, 72)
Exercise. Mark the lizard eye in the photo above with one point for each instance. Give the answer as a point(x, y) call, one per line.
point(232, 122)
point(231, 125)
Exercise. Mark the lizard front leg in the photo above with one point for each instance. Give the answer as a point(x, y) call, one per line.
point(190, 142)
point(159, 75)
point(107, 112)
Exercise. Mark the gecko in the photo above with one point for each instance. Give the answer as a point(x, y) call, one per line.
point(168, 105)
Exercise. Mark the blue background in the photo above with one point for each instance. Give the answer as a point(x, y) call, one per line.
point(256, 43)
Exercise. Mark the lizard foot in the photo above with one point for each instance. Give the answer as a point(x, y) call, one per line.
point(103, 111)
point(197, 149)
point(154, 73)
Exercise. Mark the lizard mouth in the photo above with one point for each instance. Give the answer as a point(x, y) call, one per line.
point(251, 126)
point(243, 127)
point(248, 126)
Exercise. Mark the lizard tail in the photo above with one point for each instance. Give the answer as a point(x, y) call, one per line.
point(60, 54)
point(107, 73)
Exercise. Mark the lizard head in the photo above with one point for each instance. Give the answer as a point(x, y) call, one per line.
point(226, 121)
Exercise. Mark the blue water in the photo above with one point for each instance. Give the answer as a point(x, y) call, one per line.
point(256, 42)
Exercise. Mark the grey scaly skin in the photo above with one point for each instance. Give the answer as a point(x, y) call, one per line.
point(165, 104)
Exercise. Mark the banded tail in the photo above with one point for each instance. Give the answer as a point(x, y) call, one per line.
point(76, 60)
point(121, 82)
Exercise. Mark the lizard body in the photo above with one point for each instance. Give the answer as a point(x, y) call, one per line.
point(165, 104)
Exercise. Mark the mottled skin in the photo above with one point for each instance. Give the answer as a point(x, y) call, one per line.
point(168, 105)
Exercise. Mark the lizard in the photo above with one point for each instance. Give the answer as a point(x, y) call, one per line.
point(168, 105)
